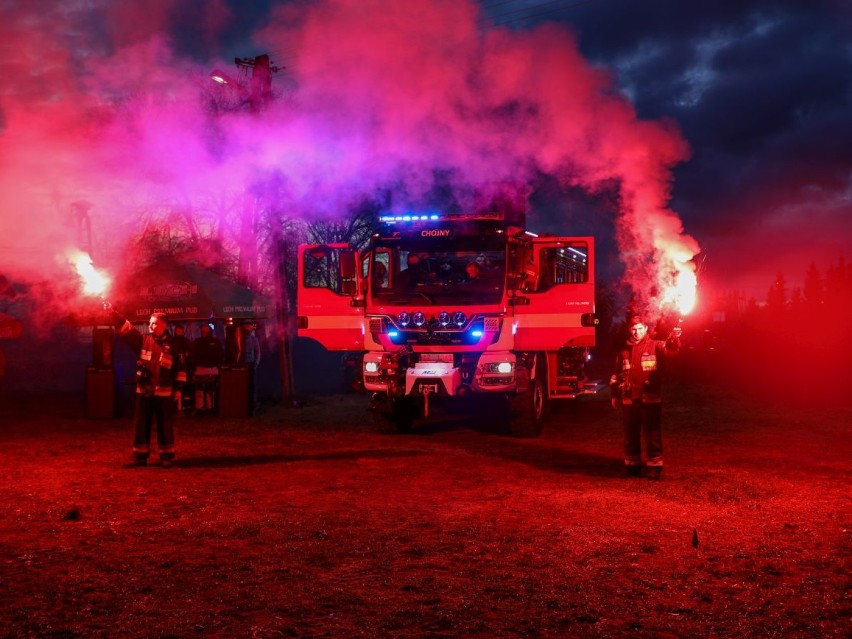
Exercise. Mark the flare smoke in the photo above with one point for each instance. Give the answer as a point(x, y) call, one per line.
point(377, 97)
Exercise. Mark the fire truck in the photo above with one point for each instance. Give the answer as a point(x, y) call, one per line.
point(448, 309)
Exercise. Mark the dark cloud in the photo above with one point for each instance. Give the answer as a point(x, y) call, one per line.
point(762, 91)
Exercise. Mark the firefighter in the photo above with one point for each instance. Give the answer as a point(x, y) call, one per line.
point(413, 275)
point(160, 375)
point(472, 272)
point(636, 387)
point(380, 276)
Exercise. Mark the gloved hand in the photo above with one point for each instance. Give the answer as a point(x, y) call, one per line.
point(115, 317)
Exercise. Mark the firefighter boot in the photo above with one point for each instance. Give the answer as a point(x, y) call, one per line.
point(633, 470)
point(138, 460)
point(655, 473)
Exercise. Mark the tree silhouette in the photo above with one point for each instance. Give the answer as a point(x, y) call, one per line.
point(814, 289)
point(776, 298)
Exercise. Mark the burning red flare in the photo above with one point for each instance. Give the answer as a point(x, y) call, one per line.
point(680, 288)
point(94, 282)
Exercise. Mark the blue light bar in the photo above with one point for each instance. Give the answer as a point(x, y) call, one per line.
point(393, 334)
point(409, 217)
point(476, 333)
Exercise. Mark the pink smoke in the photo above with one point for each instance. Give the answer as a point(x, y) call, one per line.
point(377, 97)
point(414, 86)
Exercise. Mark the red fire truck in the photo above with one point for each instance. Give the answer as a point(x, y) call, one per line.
point(453, 308)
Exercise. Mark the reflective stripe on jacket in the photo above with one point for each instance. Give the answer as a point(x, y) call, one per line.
point(158, 371)
point(638, 376)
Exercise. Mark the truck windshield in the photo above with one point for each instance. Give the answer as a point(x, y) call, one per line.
point(460, 272)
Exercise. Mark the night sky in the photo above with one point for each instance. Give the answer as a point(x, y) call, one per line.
point(727, 125)
point(762, 91)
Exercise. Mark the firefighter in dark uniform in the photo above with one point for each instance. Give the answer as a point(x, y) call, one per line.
point(160, 375)
point(181, 347)
point(636, 387)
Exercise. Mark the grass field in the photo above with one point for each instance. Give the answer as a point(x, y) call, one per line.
point(304, 522)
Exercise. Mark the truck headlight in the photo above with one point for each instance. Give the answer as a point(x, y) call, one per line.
point(504, 368)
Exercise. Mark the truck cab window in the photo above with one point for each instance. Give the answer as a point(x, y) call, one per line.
point(322, 270)
point(563, 265)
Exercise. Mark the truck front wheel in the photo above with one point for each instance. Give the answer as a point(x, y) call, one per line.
point(527, 410)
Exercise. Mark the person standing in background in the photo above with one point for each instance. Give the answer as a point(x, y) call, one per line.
point(205, 358)
point(250, 356)
point(181, 346)
point(2, 369)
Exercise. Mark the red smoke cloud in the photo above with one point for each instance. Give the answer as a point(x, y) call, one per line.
point(420, 86)
point(379, 96)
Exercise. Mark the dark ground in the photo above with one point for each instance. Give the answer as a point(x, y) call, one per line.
point(304, 522)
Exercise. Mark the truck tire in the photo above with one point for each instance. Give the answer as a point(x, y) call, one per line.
point(392, 415)
point(527, 410)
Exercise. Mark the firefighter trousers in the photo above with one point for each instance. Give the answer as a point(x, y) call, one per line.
point(150, 409)
point(643, 418)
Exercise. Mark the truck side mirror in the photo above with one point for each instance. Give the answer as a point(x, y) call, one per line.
point(348, 270)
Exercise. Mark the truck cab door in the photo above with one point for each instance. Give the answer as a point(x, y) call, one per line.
point(330, 296)
point(555, 305)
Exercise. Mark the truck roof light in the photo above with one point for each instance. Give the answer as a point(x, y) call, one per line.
point(409, 217)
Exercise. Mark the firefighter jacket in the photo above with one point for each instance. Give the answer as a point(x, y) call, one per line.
point(159, 369)
point(638, 376)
